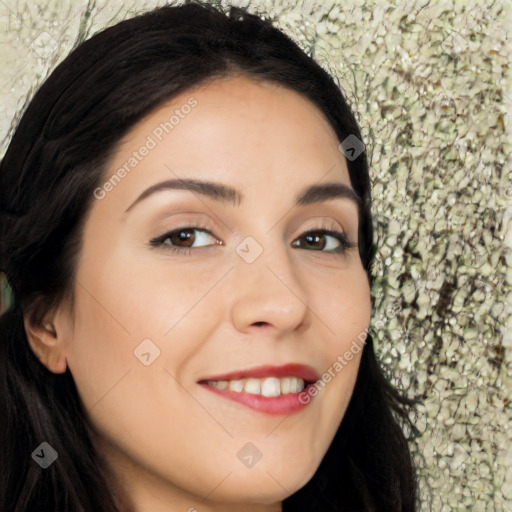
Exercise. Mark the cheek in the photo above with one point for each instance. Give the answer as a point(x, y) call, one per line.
point(101, 351)
point(125, 311)
point(344, 311)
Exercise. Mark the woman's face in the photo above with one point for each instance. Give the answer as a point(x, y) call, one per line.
point(250, 290)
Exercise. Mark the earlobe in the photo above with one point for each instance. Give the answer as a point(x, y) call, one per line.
point(47, 345)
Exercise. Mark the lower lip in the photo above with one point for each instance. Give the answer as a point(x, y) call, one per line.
point(277, 405)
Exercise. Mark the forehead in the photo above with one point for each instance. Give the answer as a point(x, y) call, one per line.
point(254, 134)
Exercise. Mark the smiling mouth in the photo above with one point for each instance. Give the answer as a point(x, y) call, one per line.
point(270, 395)
point(267, 387)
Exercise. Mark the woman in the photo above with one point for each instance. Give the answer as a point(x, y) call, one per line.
point(186, 226)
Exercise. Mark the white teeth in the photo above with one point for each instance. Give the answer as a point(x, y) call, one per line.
point(222, 384)
point(296, 385)
point(252, 386)
point(236, 385)
point(269, 387)
point(286, 385)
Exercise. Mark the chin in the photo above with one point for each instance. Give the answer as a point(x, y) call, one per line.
point(266, 487)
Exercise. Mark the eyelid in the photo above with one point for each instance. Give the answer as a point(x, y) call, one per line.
point(328, 227)
point(317, 223)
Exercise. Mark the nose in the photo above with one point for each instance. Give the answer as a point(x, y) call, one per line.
point(267, 292)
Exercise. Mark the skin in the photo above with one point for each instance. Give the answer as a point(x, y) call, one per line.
point(172, 444)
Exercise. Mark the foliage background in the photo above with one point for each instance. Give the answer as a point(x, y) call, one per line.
point(430, 82)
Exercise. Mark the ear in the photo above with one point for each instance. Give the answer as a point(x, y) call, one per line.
point(47, 341)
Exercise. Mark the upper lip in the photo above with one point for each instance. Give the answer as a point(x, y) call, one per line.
point(304, 372)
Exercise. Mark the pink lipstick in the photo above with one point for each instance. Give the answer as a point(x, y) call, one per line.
point(269, 389)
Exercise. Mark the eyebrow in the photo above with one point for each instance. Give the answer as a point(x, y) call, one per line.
point(225, 193)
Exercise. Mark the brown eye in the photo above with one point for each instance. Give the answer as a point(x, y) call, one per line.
point(316, 239)
point(180, 236)
point(182, 239)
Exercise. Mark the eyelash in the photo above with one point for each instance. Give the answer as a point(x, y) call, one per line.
point(345, 244)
